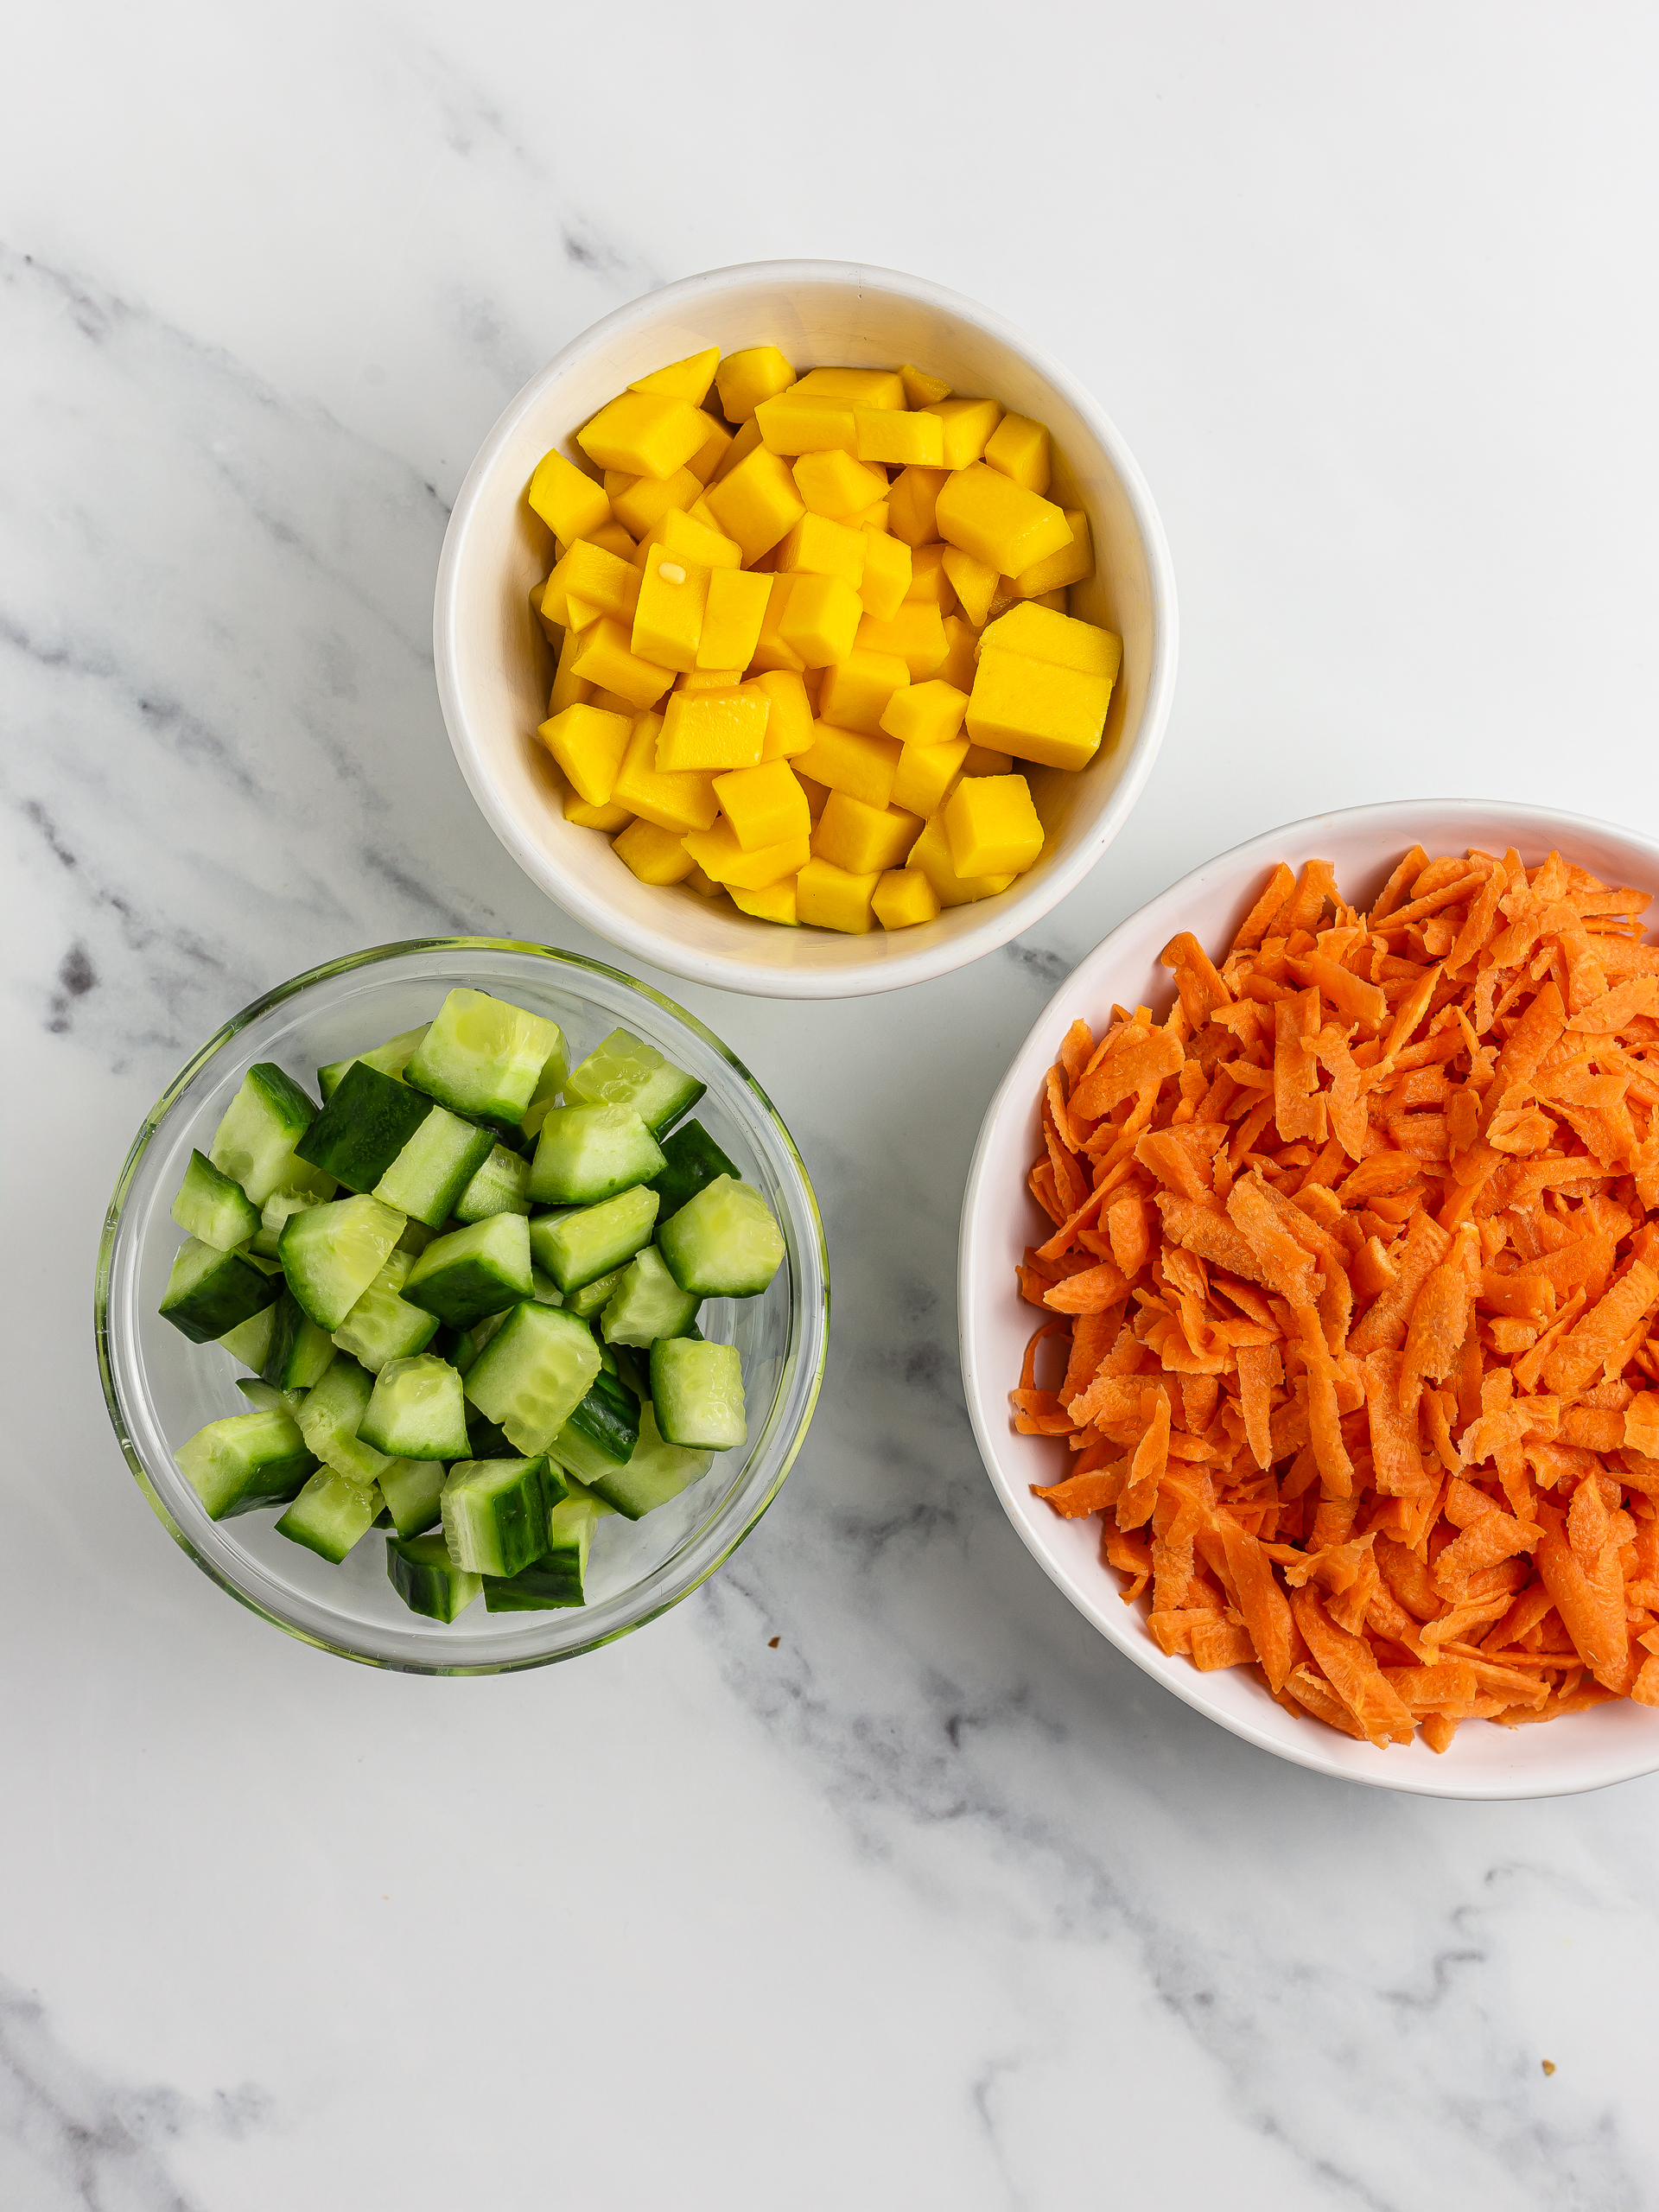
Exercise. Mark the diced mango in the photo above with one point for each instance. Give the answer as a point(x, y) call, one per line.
point(647, 433)
point(1019, 447)
point(916, 633)
point(836, 485)
point(792, 424)
point(757, 504)
point(709, 455)
point(974, 583)
point(669, 614)
point(898, 439)
point(931, 854)
point(924, 714)
point(687, 379)
point(568, 690)
point(859, 838)
point(745, 379)
point(746, 440)
point(774, 903)
point(678, 803)
point(828, 898)
point(928, 579)
point(589, 744)
point(1072, 564)
point(821, 617)
point(704, 886)
point(612, 702)
point(765, 805)
point(1036, 709)
point(599, 579)
point(712, 730)
point(817, 795)
point(886, 583)
point(1060, 638)
point(709, 679)
point(539, 622)
point(606, 658)
point(614, 538)
point(961, 653)
point(872, 518)
point(736, 609)
point(703, 515)
point(983, 760)
point(968, 427)
point(823, 548)
point(864, 767)
point(925, 774)
point(912, 500)
point(903, 898)
point(861, 387)
point(718, 854)
point(789, 725)
point(578, 613)
point(568, 501)
point(646, 501)
point(920, 389)
point(999, 522)
point(770, 650)
point(610, 817)
point(691, 538)
point(655, 856)
point(991, 826)
point(856, 691)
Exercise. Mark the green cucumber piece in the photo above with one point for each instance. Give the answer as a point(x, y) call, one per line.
point(470, 1342)
point(590, 1299)
point(331, 1252)
point(250, 1340)
point(545, 1290)
point(480, 1269)
point(382, 1325)
point(486, 1440)
point(330, 1514)
point(578, 1247)
point(622, 1069)
point(602, 1432)
point(647, 1303)
point(328, 1420)
point(416, 1411)
point(501, 1185)
point(428, 1581)
point(299, 1353)
point(655, 1473)
point(245, 1461)
point(548, 1084)
point(209, 1293)
point(411, 1488)
point(274, 1215)
point(264, 1398)
point(434, 1168)
point(212, 1208)
point(724, 1243)
point(588, 1152)
point(390, 1058)
point(533, 1374)
point(495, 1515)
point(259, 1129)
point(694, 1159)
point(697, 1390)
point(483, 1058)
point(364, 1127)
point(559, 1577)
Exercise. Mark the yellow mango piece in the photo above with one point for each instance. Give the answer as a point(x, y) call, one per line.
point(568, 690)
point(1072, 564)
point(578, 613)
point(687, 379)
point(744, 379)
point(864, 767)
point(823, 547)
point(793, 424)
point(924, 714)
point(988, 515)
point(647, 433)
point(817, 795)
point(678, 803)
point(567, 499)
point(709, 679)
point(656, 855)
point(974, 583)
point(789, 725)
point(836, 485)
point(961, 653)
point(932, 854)
point(613, 538)
point(765, 805)
point(916, 633)
point(1036, 709)
point(718, 854)
point(903, 898)
point(982, 761)
point(828, 898)
point(770, 651)
point(1019, 447)
point(704, 886)
point(1058, 638)
point(928, 579)
point(746, 440)
point(926, 773)
point(859, 838)
point(607, 659)
point(757, 504)
point(616, 479)
point(589, 744)
point(539, 622)
point(821, 618)
point(887, 568)
point(610, 817)
point(912, 501)
point(776, 903)
point(855, 691)
point(712, 730)
point(646, 501)
point(690, 536)
point(859, 387)
point(873, 519)
point(968, 427)
point(668, 616)
point(736, 609)
point(920, 389)
point(898, 440)
point(601, 579)
point(612, 702)
point(992, 827)
point(713, 449)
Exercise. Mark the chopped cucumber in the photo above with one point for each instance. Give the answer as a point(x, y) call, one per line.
point(330, 1514)
point(533, 1374)
point(483, 1269)
point(435, 1165)
point(259, 1129)
point(329, 1417)
point(548, 1084)
point(495, 1515)
point(382, 1325)
point(590, 1299)
point(647, 1303)
point(470, 1342)
point(588, 1152)
point(724, 1242)
point(274, 1214)
point(601, 1433)
point(243, 1461)
point(264, 1398)
point(654, 1473)
point(298, 1353)
point(416, 1411)
point(250, 1340)
point(578, 1247)
point(390, 1058)
point(428, 1581)
point(501, 1185)
point(624, 1071)
point(331, 1252)
point(559, 1577)
point(693, 1159)
point(487, 1440)
point(209, 1293)
point(697, 1389)
point(212, 1208)
point(364, 1127)
point(545, 1290)
point(483, 1057)
point(411, 1488)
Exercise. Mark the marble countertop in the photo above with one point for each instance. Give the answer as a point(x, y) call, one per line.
point(871, 1875)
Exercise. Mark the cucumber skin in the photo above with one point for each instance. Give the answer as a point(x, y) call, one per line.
point(657, 1473)
point(693, 1159)
point(300, 1354)
point(233, 1476)
point(230, 1293)
point(510, 1495)
point(473, 1272)
point(269, 1095)
point(609, 1417)
point(367, 1123)
point(420, 1571)
point(212, 1208)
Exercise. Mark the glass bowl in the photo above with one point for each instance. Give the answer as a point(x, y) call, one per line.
point(161, 1389)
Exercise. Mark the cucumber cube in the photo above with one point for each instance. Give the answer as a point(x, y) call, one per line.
point(250, 1340)
point(245, 1461)
point(578, 1247)
point(331, 1252)
point(483, 1057)
point(624, 1071)
point(265, 1398)
point(588, 1152)
point(299, 1353)
point(329, 1415)
point(495, 1515)
point(382, 1325)
point(390, 1058)
point(647, 1303)
point(697, 1390)
point(259, 1129)
point(330, 1514)
point(600, 1435)
point(533, 1374)
point(693, 1159)
point(470, 1342)
point(428, 1581)
point(656, 1472)
point(483, 1269)
point(436, 1166)
point(212, 1208)
point(363, 1128)
point(559, 1576)
point(411, 1488)
point(592, 1297)
point(724, 1243)
point(416, 1411)
point(208, 1292)
point(501, 1185)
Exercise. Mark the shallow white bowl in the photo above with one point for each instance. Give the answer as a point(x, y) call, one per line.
point(999, 1218)
point(493, 673)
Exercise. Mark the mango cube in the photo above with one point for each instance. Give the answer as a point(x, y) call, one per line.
point(886, 583)
point(864, 767)
point(974, 583)
point(567, 687)
point(613, 538)
point(926, 773)
point(817, 795)
point(968, 427)
point(821, 617)
point(687, 379)
point(567, 501)
point(912, 501)
point(704, 886)
point(610, 817)
point(709, 455)
point(745, 441)
point(861, 387)
point(646, 433)
point(903, 898)
point(612, 702)
point(589, 744)
point(774, 903)
point(859, 838)
point(721, 857)
point(712, 730)
point(770, 651)
point(668, 616)
point(789, 725)
point(689, 537)
point(984, 760)
point(823, 547)
point(920, 389)
point(797, 424)
point(924, 714)
point(873, 519)
point(655, 856)
point(915, 633)
point(898, 439)
point(709, 679)
point(645, 501)
point(678, 803)
point(1042, 686)
point(1072, 564)
point(961, 653)
point(828, 898)
point(597, 578)
point(855, 691)
point(1058, 638)
point(928, 579)
point(998, 521)
point(836, 485)
point(607, 659)
point(765, 805)
point(1019, 447)
point(757, 504)
point(733, 614)
point(992, 827)
point(931, 854)
point(745, 379)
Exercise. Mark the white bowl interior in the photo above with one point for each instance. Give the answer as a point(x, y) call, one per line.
point(494, 667)
point(1000, 1218)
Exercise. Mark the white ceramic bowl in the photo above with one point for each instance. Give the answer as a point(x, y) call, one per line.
point(493, 674)
point(1610, 1743)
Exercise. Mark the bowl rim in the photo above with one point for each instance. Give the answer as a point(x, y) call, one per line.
point(813, 1319)
point(730, 971)
point(987, 1396)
